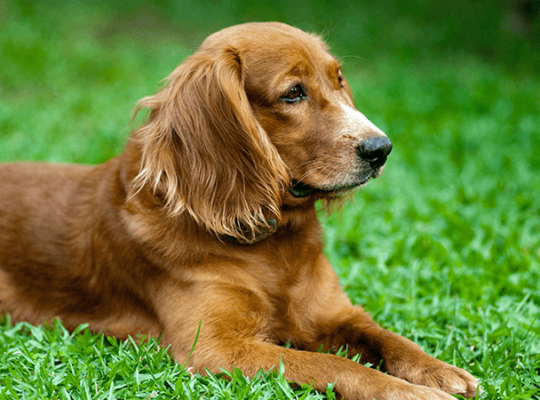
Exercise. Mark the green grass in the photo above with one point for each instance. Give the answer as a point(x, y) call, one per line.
point(443, 248)
point(55, 364)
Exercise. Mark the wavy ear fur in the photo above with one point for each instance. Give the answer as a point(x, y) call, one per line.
point(206, 154)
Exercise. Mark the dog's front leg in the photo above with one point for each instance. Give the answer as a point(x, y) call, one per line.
point(236, 332)
point(400, 357)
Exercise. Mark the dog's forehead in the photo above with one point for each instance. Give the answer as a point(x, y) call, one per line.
point(275, 43)
point(274, 55)
point(257, 32)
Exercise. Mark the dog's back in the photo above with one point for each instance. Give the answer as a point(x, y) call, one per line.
point(33, 200)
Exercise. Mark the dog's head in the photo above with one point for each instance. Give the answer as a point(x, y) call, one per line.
point(259, 117)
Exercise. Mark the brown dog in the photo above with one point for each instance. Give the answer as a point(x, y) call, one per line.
point(208, 217)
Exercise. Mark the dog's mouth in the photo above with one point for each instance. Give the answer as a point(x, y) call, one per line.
point(300, 189)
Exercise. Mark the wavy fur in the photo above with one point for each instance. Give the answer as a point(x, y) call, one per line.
point(205, 152)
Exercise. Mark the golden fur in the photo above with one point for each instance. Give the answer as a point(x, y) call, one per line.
point(208, 218)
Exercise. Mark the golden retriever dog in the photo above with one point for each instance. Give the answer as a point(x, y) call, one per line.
point(208, 219)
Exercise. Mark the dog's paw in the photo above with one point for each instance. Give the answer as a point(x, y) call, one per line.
point(398, 389)
point(445, 377)
point(376, 385)
point(421, 393)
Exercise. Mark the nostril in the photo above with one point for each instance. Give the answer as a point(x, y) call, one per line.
point(375, 150)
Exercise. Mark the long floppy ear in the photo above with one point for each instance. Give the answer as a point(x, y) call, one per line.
point(206, 154)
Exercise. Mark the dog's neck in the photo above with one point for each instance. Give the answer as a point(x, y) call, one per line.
point(292, 220)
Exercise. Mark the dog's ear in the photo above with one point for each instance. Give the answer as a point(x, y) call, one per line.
point(206, 154)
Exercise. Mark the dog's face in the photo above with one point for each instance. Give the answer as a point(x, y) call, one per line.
point(258, 118)
point(304, 104)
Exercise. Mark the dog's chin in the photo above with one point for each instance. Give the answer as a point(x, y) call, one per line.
point(300, 189)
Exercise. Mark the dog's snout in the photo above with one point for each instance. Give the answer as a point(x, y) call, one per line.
point(375, 150)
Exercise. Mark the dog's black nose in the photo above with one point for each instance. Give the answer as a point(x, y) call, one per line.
point(374, 150)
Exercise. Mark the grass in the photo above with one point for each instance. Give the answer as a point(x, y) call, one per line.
point(51, 363)
point(443, 248)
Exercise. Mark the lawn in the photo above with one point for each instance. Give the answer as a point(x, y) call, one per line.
point(443, 248)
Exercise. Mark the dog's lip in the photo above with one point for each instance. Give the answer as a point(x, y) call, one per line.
point(300, 189)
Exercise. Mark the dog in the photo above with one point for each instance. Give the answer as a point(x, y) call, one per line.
point(206, 224)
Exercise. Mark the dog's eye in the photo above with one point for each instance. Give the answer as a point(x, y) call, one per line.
point(340, 79)
point(295, 94)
